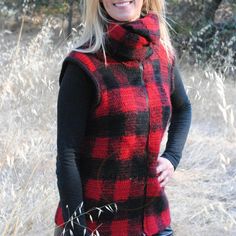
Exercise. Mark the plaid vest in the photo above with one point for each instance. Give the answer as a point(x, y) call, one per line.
point(118, 155)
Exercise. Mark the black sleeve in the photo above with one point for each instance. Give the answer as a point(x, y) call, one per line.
point(179, 123)
point(74, 101)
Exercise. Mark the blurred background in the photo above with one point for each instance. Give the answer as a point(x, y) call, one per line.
point(36, 36)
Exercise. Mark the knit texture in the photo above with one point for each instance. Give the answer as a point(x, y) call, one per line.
point(119, 153)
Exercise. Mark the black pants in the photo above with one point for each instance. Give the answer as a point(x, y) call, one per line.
point(166, 232)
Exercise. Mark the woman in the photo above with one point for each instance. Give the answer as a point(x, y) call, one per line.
point(119, 89)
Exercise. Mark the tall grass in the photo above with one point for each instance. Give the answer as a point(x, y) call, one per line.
point(202, 193)
point(28, 87)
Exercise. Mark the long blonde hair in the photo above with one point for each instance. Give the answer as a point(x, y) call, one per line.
point(95, 21)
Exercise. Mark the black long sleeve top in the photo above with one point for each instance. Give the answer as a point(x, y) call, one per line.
point(74, 100)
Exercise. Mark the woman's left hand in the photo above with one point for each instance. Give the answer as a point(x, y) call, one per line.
point(165, 170)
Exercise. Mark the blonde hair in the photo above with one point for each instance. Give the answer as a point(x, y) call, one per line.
point(95, 21)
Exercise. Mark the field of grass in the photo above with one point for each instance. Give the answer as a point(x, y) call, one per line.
point(202, 194)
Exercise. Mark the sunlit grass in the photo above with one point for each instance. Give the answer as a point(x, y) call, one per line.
point(202, 193)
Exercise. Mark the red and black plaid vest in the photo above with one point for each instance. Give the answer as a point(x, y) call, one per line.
point(118, 155)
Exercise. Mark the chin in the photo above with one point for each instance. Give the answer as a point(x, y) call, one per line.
point(126, 18)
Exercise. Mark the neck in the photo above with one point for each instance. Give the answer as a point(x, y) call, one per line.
point(133, 40)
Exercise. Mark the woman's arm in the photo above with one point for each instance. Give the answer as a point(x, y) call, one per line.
point(74, 100)
point(180, 121)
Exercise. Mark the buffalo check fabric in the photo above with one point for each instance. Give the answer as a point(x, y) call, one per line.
point(118, 156)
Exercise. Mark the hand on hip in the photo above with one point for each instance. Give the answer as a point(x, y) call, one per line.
point(165, 170)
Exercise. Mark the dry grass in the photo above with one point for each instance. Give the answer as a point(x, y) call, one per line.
point(202, 193)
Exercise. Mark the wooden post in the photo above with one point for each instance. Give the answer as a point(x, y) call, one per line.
point(70, 17)
point(209, 9)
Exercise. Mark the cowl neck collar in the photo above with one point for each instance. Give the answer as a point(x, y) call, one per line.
point(133, 40)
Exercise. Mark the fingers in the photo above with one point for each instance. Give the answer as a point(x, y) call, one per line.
point(165, 170)
point(161, 167)
point(164, 182)
point(163, 178)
